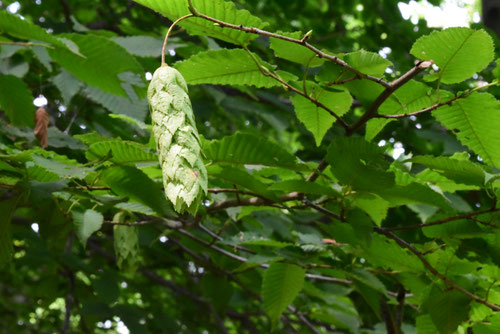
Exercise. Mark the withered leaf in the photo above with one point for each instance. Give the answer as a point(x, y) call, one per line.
point(41, 126)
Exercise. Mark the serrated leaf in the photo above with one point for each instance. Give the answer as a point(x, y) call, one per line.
point(316, 119)
point(366, 62)
point(294, 52)
point(16, 27)
point(16, 100)
point(145, 46)
point(475, 121)
point(222, 10)
point(413, 193)
point(281, 284)
point(374, 126)
point(460, 171)
point(248, 149)
point(459, 52)
point(101, 63)
point(224, 67)
point(445, 184)
point(87, 223)
point(122, 151)
point(133, 183)
point(375, 206)
point(59, 168)
point(448, 310)
point(359, 164)
point(67, 84)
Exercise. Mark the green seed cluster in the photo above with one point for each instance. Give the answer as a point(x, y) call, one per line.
point(177, 140)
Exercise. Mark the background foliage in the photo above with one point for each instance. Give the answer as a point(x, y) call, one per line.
point(356, 192)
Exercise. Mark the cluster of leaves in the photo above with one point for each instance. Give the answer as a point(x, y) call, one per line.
point(311, 223)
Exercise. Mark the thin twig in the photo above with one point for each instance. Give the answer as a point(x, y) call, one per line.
point(441, 221)
point(263, 265)
point(168, 34)
point(433, 270)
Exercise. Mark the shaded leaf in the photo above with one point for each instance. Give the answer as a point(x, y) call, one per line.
point(281, 284)
point(87, 223)
point(121, 151)
point(16, 100)
point(223, 10)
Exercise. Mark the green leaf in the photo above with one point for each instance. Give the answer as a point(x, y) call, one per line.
point(448, 310)
point(294, 52)
point(101, 63)
point(126, 242)
point(87, 223)
point(61, 169)
point(16, 27)
point(366, 62)
point(241, 178)
point(375, 206)
point(303, 186)
point(459, 52)
point(16, 100)
point(413, 193)
point(359, 164)
point(222, 10)
point(460, 171)
point(411, 97)
point(475, 121)
point(122, 151)
point(243, 148)
point(316, 119)
point(224, 67)
point(281, 284)
point(133, 183)
point(374, 126)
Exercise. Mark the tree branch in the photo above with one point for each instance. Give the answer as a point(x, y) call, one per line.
point(302, 41)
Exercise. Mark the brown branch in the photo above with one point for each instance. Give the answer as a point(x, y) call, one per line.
point(442, 221)
point(433, 270)
point(302, 41)
point(391, 88)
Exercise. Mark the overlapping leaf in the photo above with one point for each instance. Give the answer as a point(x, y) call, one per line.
point(225, 67)
point(248, 149)
point(222, 10)
point(101, 63)
point(121, 151)
point(316, 119)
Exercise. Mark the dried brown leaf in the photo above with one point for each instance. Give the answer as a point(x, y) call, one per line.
point(41, 126)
